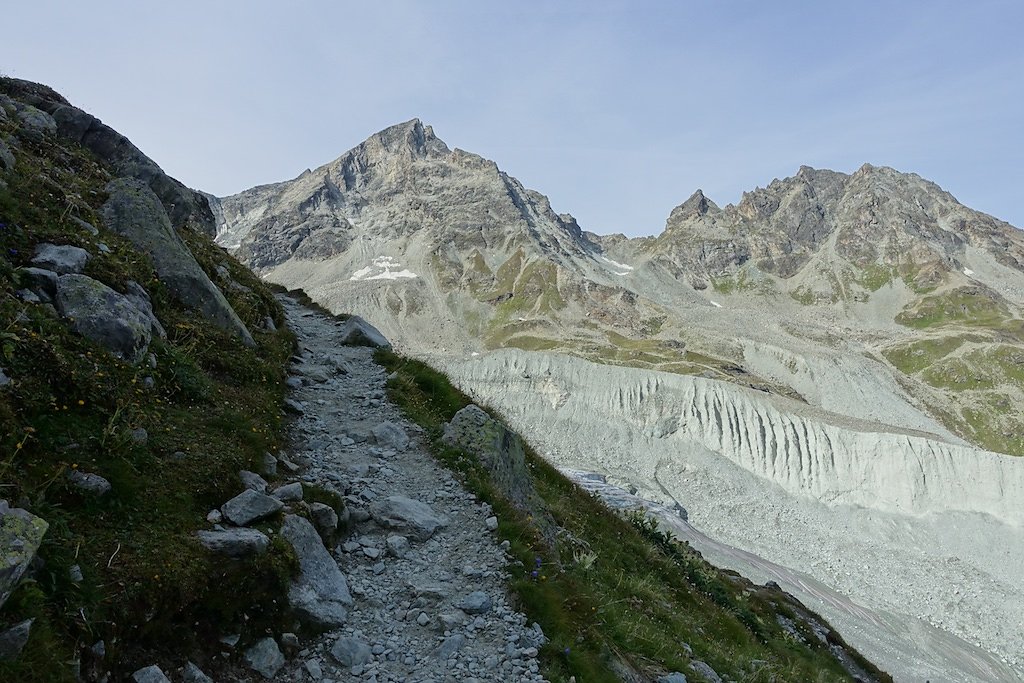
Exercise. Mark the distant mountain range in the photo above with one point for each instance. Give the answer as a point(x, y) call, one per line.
point(799, 284)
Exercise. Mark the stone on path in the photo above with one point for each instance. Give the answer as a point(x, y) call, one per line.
point(250, 506)
point(450, 645)
point(234, 542)
point(349, 651)
point(390, 435)
point(320, 592)
point(398, 546)
point(357, 332)
point(289, 493)
point(265, 658)
point(150, 674)
point(251, 480)
point(324, 518)
point(413, 517)
point(476, 602)
point(193, 674)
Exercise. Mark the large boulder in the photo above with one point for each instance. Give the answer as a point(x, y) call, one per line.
point(320, 593)
point(413, 517)
point(6, 157)
point(134, 211)
point(501, 451)
point(357, 332)
point(101, 314)
point(21, 533)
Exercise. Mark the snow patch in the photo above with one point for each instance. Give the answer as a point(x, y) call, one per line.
point(968, 272)
point(715, 304)
point(626, 270)
point(383, 268)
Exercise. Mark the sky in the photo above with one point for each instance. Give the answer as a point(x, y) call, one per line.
point(617, 111)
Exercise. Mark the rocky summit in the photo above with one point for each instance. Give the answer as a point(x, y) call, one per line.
point(853, 342)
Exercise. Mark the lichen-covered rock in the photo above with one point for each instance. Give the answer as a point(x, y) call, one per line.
point(150, 674)
point(40, 281)
point(101, 314)
point(134, 211)
point(500, 450)
point(21, 533)
point(35, 122)
point(319, 594)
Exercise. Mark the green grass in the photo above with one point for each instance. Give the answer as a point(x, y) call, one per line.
point(916, 356)
point(967, 306)
point(149, 591)
point(615, 589)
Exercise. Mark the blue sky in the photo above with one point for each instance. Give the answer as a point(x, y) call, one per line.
point(617, 111)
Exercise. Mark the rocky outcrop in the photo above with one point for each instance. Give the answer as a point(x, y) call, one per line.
point(186, 208)
point(134, 211)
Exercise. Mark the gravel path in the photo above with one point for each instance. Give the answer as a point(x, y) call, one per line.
point(424, 610)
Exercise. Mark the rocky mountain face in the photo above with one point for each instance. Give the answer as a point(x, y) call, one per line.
point(872, 305)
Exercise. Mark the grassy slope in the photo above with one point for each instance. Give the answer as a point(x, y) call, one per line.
point(148, 587)
point(622, 592)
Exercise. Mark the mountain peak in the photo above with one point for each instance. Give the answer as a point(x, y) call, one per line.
point(696, 206)
point(409, 137)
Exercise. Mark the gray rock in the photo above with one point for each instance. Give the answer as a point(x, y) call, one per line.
point(35, 122)
point(269, 465)
point(4, 379)
point(61, 259)
point(139, 436)
point(705, 671)
point(674, 677)
point(75, 574)
point(350, 651)
point(325, 519)
point(41, 281)
point(12, 641)
point(320, 593)
point(293, 382)
point(214, 517)
point(250, 506)
point(294, 407)
point(450, 645)
point(134, 211)
point(234, 542)
point(7, 160)
point(106, 317)
point(138, 295)
point(251, 480)
point(289, 493)
point(265, 658)
point(314, 669)
point(491, 523)
point(410, 516)
point(88, 482)
point(357, 332)
point(501, 451)
point(476, 602)
point(150, 674)
point(193, 674)
point(390, 435)
point(398, 546)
